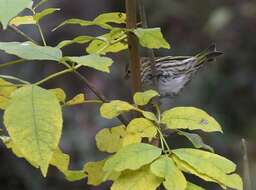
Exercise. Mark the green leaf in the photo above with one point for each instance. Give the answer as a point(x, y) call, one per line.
point(78, 99)
point(59, 93)
point(22, 20)
point(101, 20)
point(210, 166)
point(143, 98)
point(96, 174)
point(10, 9)
point(6, 88)
point(82, 22)
point(110, 140)
point(190, 118)
point(114, 41)
point(33, 120)
point(196, 140)
point(30, 51)
point(114, 108)
point(132, 157)
point(78, 40)
point(61, 161)
point(38, 16)
point(191, 186)
point(137, 180)
point(151, 38)
point(164, 167)
point(94, 61)
point(114, 17)
point(142, 127)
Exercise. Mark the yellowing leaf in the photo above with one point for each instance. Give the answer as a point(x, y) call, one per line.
point(61, 161)
point(196, 140)
point(101, 20)
point(30, 51)
point(78, 99)
point(93, 61)
point(15, 149)
point(114, 41)
point(115, 17)
point(34, 122)
point(165, 167)
point(114, 108)
point(151, 38)
point(190, 118)
point(137, 180)
point(78, 40)
point(149, 115)
point(143, 98)
point(82, 22)
point(132, 157)
point(182, 165)
point(6, 88)
point(131, 138)
point(22, 20)
point(59, 93)
point(191, 186)
point(38, 16)
point(142, 127)
point(95, 172)
point(10, 9)
point(215, 167)
point(110, 140)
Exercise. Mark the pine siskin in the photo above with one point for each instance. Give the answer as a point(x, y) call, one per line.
point(174, 72)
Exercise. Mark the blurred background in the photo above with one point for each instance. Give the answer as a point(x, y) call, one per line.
point(225, 89)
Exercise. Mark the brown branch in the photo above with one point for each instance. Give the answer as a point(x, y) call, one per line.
point(98, 94)
point(131, 12)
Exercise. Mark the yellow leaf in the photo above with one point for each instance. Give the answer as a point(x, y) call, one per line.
point(78, 99)
point(95, 172)
point(212, 166)
point(143, 98)
point(33, 120)
point(110, 140)
point(132, 157)
point(6, 88)
point(191, 186)
point(190, 118)
point(114, 108)
point(61, 161)
point(131, 138)
point(137, 180)
point(60, 94)
point(142, 127)
point(22, 20)
point(165, 167)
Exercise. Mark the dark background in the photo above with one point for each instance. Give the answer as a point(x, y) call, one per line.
point(225, 89)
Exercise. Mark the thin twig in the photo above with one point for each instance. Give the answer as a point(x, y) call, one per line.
point(18, 31)
point(98, 94)
point(11, 63)
point(150, 52)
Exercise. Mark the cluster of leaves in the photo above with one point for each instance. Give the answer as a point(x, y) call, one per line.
point(33, 115)
point(136, 165)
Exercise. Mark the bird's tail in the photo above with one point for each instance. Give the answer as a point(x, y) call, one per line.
point(208, 54)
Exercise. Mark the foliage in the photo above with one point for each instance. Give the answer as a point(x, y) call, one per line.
point(33, 115)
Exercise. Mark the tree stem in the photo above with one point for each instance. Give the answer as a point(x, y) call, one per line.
point(131, 12)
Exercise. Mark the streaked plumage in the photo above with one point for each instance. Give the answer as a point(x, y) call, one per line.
point(173, 73)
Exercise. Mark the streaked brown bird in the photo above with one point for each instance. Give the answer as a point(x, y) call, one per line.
point(173, 73)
